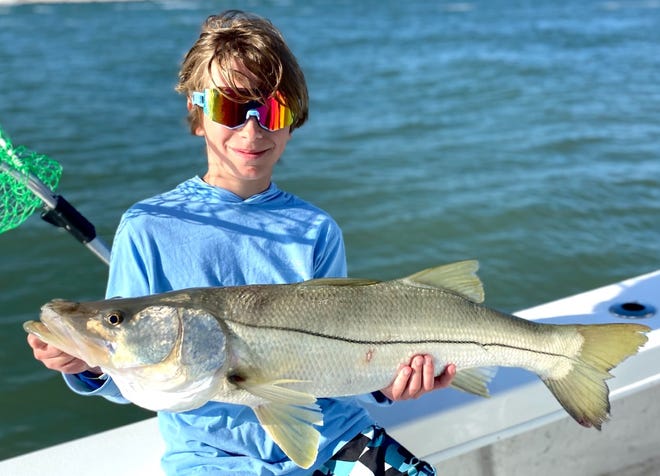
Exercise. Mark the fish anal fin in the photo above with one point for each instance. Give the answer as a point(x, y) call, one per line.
point(460, 277)
point(474, 380)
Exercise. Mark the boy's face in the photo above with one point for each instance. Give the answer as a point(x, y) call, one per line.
point(241, 160)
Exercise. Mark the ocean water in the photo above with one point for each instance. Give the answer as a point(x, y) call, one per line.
point(521, 133)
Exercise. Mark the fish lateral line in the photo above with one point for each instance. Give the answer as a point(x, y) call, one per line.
point(349, 340)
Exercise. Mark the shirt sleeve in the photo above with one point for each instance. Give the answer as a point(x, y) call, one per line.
point(107, 389)
point(128, 275)
point(127, 278)
point(330, 256)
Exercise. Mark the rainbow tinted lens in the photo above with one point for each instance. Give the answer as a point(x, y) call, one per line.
point(271, 114)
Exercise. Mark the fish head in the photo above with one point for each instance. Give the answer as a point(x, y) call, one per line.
point(156, 349)
point(115, 333)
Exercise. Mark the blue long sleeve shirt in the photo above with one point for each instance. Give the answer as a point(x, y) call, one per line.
point(200, 235)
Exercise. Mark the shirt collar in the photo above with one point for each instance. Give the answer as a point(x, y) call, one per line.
point(224, 195)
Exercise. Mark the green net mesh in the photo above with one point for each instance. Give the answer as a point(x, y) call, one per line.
point(17, 201)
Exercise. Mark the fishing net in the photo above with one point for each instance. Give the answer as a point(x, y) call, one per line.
point(18, 166)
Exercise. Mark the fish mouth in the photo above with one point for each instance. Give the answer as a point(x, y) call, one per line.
point(57, 331)
point(50, 328)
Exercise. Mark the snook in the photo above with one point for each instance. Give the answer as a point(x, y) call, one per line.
point(277, 348)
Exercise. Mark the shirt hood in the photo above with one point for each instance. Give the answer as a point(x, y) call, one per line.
point(219, 194)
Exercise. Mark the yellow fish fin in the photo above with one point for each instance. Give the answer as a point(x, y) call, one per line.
point(583, 391)
point(288, 417)
point(460, 277)
point(474, 381)
point(291, 428)
point(339, 282)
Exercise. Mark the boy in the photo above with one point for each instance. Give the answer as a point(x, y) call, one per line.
point(232, 226)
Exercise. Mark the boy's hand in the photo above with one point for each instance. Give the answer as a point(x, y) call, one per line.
point(54, 359)
point(418, 378)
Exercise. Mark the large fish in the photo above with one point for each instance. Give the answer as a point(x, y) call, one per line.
point(276, 348)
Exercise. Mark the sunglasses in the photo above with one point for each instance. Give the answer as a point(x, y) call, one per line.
point(271, 114)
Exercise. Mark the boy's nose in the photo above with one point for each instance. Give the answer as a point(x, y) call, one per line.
point(252, 126)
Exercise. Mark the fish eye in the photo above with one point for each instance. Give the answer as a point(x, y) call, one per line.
point(114, 318)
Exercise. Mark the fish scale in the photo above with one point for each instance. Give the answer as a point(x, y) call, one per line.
point(450, 334)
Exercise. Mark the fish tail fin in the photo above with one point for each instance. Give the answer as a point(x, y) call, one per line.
point(582, 391)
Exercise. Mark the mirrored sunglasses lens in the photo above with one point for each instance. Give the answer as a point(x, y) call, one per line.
point(272, 115)
point(276, 116)
point(224, 111)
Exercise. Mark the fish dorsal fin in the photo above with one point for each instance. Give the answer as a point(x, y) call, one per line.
point(339, 282)
point(288, 417)
point(460, 277)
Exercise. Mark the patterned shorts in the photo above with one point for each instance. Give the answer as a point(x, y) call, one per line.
point(374, 453)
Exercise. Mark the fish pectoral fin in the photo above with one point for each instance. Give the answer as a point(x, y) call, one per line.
point(460, 277)
point(474, 381)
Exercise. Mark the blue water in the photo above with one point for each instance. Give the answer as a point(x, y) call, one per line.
point(522, 133)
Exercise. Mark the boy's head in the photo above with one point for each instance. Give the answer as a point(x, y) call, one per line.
point(235, 37)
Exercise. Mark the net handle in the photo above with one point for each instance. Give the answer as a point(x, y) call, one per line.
point(61, 213)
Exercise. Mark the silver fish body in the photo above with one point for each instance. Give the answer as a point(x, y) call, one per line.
point(276, 348)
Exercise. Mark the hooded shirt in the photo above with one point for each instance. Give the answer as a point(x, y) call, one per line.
point(199, 235)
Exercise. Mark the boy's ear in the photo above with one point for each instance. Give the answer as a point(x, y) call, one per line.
point(199, 130)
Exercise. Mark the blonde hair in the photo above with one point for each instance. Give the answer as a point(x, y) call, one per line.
point(238, 37)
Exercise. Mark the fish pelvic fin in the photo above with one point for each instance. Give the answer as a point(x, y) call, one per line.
point(583, 392)
point(291, 428)
point(288, 417)
point(460, 277)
